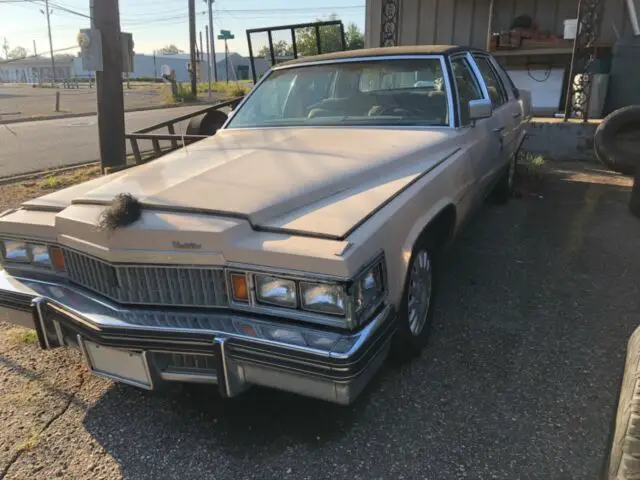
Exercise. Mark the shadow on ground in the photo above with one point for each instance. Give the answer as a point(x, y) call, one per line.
point(519, 381)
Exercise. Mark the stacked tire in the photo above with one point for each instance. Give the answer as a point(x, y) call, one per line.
point(619, 155)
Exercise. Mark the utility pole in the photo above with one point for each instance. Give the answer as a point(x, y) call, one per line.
point(35, 52)
point(212, 55)
point(192, 45)
point(5, 47)
point(105, 17)
point(53, 61)
point(206, 34)
point(201, 51)
point(226, 35)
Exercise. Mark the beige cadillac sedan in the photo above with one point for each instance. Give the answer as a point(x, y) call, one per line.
point(295, 249)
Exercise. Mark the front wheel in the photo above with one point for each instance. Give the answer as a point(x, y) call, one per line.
point(415, 316)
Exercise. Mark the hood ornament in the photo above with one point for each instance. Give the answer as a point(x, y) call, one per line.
point(124, 210)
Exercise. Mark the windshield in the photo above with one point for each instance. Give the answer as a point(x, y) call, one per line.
point(385, 92)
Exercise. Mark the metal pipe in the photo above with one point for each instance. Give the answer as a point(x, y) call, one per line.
point(633, 17)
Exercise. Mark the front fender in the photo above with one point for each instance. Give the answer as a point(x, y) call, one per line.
point(420, 225)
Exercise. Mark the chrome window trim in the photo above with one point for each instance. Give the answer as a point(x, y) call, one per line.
point(382, 58)
point(479, 81)
point(478, 74)
point(499, 78)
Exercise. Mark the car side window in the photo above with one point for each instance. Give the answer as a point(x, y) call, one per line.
point(466, 85)
point(497, 92)
point(507, 79)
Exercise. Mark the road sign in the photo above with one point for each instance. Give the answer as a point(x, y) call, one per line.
point(225, 35)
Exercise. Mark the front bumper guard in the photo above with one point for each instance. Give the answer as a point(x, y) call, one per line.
point(229, 349)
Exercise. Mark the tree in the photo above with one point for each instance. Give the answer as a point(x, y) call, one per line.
point(280, 49)
point(18, 52)
point(170, 50)
point(330, 40)
point(355, 38)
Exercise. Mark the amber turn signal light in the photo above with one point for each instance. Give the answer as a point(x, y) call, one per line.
point(57, 259)
point(239, 287)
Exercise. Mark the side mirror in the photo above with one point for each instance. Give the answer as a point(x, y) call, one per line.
point(479, 109)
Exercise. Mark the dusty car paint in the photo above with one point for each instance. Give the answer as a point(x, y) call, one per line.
point(318, 201)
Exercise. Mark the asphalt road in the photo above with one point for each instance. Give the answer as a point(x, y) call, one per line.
point(536, 304)
point(34, 146)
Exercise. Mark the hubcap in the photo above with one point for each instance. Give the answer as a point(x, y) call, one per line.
point(420, 285)
point(512, 172)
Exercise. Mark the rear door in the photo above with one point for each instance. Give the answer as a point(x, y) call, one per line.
point(519, 110)
point(485, 136)
point(506, 109)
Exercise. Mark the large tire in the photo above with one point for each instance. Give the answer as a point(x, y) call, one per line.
point(634, 201)
point(608, 148)
point(622, 461)
point(503, 190)
point(408, 343)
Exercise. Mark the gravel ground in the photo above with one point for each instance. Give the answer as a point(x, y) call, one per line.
point(537, 302)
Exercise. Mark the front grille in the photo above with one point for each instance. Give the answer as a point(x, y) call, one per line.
point(149, 284)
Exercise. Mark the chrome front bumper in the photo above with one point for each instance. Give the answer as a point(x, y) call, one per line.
point(229, 349)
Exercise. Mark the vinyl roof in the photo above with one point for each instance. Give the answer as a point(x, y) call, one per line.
point(380, 52)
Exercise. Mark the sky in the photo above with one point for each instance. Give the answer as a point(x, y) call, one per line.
point(156, 23)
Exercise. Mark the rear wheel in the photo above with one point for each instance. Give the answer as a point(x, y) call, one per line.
point(503, 190)
point(415, 316)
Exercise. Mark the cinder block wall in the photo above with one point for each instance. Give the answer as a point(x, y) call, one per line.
point(561, 141)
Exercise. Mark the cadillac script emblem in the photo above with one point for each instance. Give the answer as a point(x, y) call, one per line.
point(186, 245)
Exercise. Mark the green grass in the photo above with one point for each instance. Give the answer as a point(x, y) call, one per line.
point(183, 94)
point(231, 89)
point(23, 336)
point(532, 168)
point(29, 444)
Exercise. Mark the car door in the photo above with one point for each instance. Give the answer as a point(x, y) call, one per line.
point(518, 107)
point(484, 135)
point(505, 108)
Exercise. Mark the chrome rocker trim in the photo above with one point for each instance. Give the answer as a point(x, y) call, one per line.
point(246, 349)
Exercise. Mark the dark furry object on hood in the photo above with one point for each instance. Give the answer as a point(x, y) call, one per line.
point(124, 210)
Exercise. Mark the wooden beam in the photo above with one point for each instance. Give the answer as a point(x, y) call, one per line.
point(105, 17)
point(490, 24)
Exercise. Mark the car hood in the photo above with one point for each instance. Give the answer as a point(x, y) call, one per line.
point(317, 181)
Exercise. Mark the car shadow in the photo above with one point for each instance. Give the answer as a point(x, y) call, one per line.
point(536, 305)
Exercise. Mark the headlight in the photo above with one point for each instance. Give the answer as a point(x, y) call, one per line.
point(369, 288)
point(16, 251)
point(40, 255)
point(36, 254)
point(276, 291)
point(322, 298)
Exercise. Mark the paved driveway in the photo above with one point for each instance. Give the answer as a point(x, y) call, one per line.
point(520, 379)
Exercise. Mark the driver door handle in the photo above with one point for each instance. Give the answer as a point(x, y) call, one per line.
point(517, 115)
point(498, 130)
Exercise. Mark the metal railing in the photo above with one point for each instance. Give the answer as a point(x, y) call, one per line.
point(177, 140)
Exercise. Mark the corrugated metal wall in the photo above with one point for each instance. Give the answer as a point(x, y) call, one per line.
point(465, 22)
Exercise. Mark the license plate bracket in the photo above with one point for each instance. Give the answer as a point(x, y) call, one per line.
point(123, 366)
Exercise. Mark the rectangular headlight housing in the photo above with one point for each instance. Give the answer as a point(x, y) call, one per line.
point(277, 291)
point(338, 304)
point(15, 251)
point(34, 254)
point(40, 255)
point(323, 298)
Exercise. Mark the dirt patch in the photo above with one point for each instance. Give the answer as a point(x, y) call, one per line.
point(13, 194)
